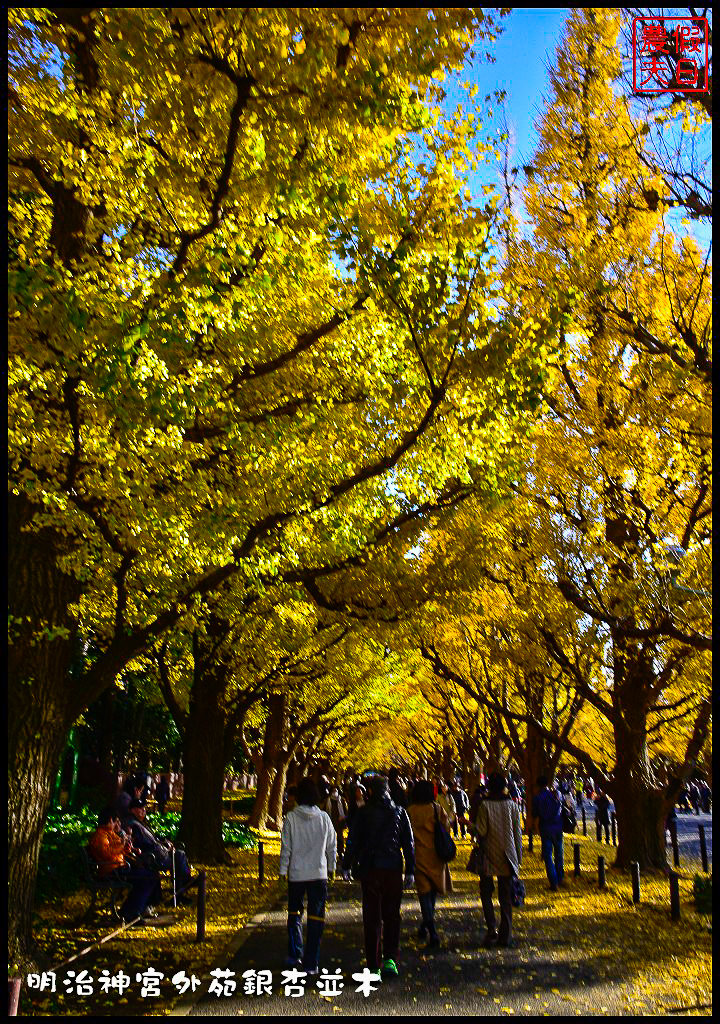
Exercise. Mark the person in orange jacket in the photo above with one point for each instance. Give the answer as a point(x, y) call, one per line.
point(113, 852)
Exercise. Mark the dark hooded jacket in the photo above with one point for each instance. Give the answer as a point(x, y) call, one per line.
point(380, 837)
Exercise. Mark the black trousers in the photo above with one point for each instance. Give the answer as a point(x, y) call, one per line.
point(487, 889)
point(381, 898)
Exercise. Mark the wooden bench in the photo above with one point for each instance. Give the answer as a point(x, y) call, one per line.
point(92, 880)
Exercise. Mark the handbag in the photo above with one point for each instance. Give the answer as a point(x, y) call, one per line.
point(517, 891)
point(569, 818)
point(478, 863)
point(444, 843)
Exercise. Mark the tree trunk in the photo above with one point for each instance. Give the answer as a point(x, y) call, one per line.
point(641, 827)
point(534, 763)
point(447, 761)
point(105, 739)
point(267, 764)
point(275, 802)
point(261, 808)
point(42, 641)
point(37, 740)
point(467, 756)
point(639, 804)
point(204, 752)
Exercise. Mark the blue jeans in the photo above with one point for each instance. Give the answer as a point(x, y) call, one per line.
point(552, 849)
point(316, 896)
point(427, 909)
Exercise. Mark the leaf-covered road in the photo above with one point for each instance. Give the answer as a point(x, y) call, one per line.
point(578, 952)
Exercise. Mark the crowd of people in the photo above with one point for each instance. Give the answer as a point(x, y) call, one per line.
point(380, 829)
point(392, 845)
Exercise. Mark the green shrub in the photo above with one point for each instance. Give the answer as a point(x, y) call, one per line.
point(238, 835)
point(59, 867)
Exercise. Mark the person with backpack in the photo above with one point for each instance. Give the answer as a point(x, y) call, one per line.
point(379, 846)
point(547, 809)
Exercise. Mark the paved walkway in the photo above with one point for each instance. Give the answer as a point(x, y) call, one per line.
point(538, 976)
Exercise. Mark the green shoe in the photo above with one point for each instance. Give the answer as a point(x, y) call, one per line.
point(389, 969)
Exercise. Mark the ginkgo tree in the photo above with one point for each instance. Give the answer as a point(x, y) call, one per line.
point(617, 497)
point(250, 332)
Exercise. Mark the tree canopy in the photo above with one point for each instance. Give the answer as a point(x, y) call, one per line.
point(253, 325)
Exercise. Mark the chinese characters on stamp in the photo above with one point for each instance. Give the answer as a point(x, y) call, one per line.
point(670, 55)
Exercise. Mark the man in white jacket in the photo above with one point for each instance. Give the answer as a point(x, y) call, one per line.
point(307, 860)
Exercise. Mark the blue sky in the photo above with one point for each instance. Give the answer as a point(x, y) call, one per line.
point(523, 52)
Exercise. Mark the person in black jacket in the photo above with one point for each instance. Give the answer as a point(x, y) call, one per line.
point(146, 841)
point(602, 814)
point(379, 842)
point(462, 806)
point(397, 793)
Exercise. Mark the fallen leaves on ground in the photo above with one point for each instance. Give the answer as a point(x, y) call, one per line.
point(592, 948)
point(234, 896)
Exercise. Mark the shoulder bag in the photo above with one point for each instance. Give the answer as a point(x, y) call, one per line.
point(444, 843)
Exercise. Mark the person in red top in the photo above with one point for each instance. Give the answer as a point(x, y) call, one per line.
point(112, 850)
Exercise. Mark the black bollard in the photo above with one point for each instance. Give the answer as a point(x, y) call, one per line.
point(613, 824)
point(576, 857)
point(601, 872)
point(201, 899)
point(674, 841)
point(674, 897)
point(635, 874)
point(584, 822)
point(703, 849)
point(261, 863)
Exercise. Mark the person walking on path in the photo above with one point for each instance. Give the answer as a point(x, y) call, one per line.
point(397, 791)
point(602, 814)
point(548, 811)
point(462, 806)
point(162, 793)
point(432, 876)
point(335, 807)
point(500, 834)
point(447, 803)
point(356, 799)
point(579, 791)
point(308, 852)
point(379, 841)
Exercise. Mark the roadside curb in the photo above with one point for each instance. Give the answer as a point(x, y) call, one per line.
point(187, 1003)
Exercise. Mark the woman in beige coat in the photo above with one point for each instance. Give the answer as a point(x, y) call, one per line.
point(500, 833)
point(432, 876)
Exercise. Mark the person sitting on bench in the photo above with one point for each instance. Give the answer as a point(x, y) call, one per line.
point(115, 857)
point(145, 840)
